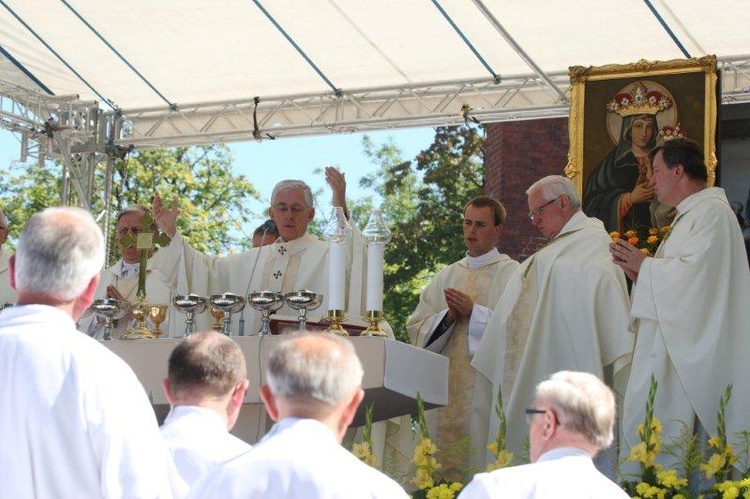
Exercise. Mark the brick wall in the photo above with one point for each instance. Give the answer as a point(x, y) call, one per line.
point(516, 155)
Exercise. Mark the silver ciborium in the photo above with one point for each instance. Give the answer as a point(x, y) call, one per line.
point(110, 310)
point(265, 302)
point(303, 301)
point(228, 304)
point(189, 305)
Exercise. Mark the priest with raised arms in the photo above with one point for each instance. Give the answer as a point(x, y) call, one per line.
point(451, 316)
point(690, 305)
point(296, 260)
point(565, 308)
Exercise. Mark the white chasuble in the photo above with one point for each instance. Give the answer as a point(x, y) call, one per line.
point(691, 313)
point(450, 426)
point(574, 316)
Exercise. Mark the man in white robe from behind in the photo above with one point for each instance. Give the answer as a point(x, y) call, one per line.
point(571, 419)
point(312, 391)
point(74, 419)
point(120, 281)
point(205, 386)
point(7, 293)
point(565, 308)
point(297, 260)
point(690, 305)
point(450, 319)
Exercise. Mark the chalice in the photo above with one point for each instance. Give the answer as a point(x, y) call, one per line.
point(303, 301)
point(218, 315)
point(139, 331)
point(157, 314)
point(110, 310)
point(190, 305)
point(228, 304)
point(265, 302)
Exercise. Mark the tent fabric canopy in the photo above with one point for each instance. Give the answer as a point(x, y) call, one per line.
point(187, 71)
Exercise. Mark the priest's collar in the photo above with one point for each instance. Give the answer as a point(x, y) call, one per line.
point(475, 262)
point(129, 270)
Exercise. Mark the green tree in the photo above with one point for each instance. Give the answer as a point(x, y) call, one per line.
point(423, 201)
point(212, 198)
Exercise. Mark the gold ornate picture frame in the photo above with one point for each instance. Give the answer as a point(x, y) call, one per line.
point(620, 112)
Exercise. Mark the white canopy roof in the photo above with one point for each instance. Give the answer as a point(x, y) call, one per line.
point(188, 71)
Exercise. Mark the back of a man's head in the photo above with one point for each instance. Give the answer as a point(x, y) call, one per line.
point(583, 403)
point(205, 366)
point(58, 253)
point(314, 368)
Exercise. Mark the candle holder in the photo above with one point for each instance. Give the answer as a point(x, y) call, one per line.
point(338, 233)
point(377, 236)
point(374, 317)
point(335, 318)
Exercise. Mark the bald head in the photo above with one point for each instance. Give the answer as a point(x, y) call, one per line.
point(314, 368)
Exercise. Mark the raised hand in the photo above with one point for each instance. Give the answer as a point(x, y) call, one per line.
point(165, 217)
point(337, 181)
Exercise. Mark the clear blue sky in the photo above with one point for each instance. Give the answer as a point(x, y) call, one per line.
point(265, 163)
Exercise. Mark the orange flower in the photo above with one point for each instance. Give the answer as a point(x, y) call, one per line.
point(615, 235)
point(645, 251)
point(652, 239)
point(666, 229)
point(653, 231)
point(632, 240)
point(631, 233)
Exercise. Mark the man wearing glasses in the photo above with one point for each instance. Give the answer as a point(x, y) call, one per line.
point(571, 419)
point(564, 308)
point(7, 294)
point(296, 260)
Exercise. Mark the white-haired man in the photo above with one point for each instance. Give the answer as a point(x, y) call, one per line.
point(312, 391)
point(565, 308)
point(571, 419)
point(205, 385)
point(296, 260)
point(76, 421)
point(7, 293)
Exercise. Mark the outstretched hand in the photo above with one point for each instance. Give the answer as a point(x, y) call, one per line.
point(337, 181)
point(165, 217)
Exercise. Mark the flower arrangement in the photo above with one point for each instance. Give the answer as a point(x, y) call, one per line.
point(647, 241)
point(655, 481)
point(503, 458)
point(428, 484)
point(363, 450)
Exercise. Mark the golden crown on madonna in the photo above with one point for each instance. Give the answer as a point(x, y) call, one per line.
point(639, 101)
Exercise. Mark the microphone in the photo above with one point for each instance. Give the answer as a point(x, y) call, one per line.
point(267, 226)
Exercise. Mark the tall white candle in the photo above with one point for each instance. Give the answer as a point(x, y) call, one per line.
point(336, 276)
point(375, 255)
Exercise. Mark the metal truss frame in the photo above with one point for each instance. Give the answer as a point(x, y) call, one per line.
point(82, 136)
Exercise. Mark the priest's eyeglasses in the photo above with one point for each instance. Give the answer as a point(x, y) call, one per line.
point(530, 413)
point(539, 209)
